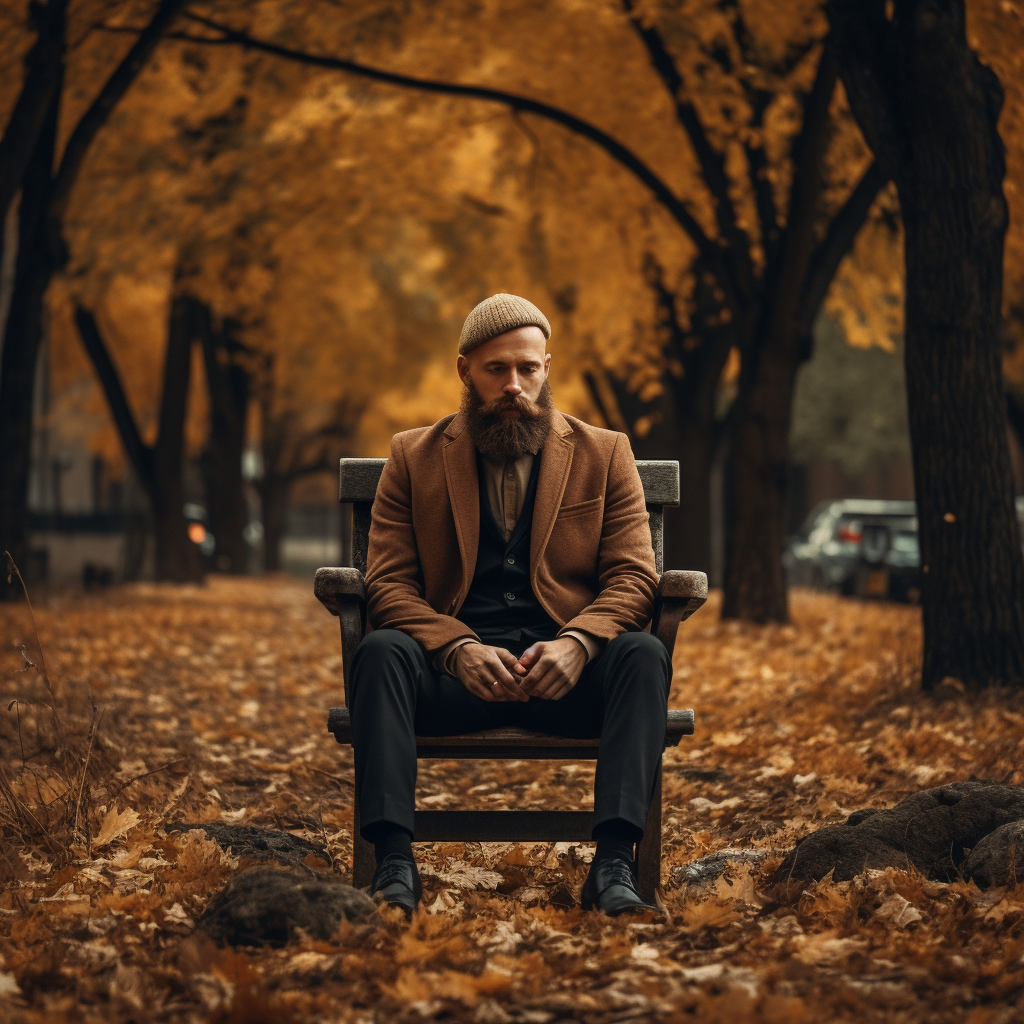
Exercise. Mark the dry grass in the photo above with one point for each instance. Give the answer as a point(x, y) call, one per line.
point(211, 706)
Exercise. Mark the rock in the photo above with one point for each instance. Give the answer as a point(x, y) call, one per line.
point(999, 858)
point(261, 844)
point(708, 869)
point(266, 906)
point(930, 831)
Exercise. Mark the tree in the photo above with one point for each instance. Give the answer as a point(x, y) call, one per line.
point(44, 68)
point(45, 193)
point(929, 110)
point(290, 454)
point(350, 251)
point(159, 466)
point(766, 285)
point(228, 379)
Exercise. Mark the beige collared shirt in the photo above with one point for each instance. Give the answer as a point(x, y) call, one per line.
point(506, 489)
point(506, 484)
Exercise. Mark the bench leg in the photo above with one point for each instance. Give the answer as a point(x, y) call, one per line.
point(648, 853)
point(363, 860)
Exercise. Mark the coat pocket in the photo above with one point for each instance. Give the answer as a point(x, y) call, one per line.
point(580, 508)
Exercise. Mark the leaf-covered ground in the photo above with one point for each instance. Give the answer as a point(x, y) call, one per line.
point(209, 704)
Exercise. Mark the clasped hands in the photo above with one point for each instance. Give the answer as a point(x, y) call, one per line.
point(548, 669)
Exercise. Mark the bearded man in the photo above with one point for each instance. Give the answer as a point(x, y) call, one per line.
point(510, 576)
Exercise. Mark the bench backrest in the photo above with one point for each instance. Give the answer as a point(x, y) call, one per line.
point(358, 479)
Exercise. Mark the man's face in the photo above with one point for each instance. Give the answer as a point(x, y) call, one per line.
point(513, 363)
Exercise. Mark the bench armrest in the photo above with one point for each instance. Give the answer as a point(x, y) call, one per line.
point(342, 592)
point(680, 594)
point(335, 587)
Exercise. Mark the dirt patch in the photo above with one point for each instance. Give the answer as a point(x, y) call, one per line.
point(931, 831)
point(261, 844)
point(271, 907)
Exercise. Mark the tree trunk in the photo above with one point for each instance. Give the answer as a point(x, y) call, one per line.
point(688, 528)
point(41, 249)
point(929, 110)
point(755, 581)
point(44, 72)
point(34, 266)
point(755, 500)
point(159, 468)
point(177, 558)
point(274, 501)
point(228, 385)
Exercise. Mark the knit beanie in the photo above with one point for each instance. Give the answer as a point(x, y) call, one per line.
point(498, 314)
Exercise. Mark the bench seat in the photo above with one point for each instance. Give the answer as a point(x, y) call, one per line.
point(510, 743)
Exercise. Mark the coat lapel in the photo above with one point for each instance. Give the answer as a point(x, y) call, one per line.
point(460, 473)
point(556, 458)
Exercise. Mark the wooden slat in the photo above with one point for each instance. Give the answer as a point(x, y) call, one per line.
point(660, 478)
point(504, 826)
point(506, 752)
point(510, 743)
point(358, 479)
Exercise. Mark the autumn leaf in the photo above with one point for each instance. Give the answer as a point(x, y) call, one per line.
point(115, 825)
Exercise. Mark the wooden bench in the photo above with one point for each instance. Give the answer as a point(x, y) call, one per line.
point(343, 593)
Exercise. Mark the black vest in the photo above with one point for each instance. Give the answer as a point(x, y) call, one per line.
point(501, 605)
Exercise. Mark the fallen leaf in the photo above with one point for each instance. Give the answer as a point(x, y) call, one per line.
point(115, 825)
point(898, 912)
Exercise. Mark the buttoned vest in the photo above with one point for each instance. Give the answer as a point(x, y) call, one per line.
point(501, 605)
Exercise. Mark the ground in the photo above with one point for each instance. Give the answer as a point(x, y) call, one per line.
point(209, 704)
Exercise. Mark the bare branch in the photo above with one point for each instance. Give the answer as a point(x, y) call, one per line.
point(757, 161)
point(520, 104)
point(321, 465)
point(836, 244)
point(140, 454)
point(712, 162)
point(113, 89)
point(786, 278)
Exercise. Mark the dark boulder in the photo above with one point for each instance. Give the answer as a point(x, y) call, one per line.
point(268, 906)
point(999, 858)
point(930, 831)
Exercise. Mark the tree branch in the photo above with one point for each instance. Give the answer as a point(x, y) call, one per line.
point(520, 104)
point(866, 50)
point(321, 465)
point(42, 78)
point(711, 161)
point(757, 160)
point(115, 87)
point(785, 279)
point(836, 244)
point(139, 453)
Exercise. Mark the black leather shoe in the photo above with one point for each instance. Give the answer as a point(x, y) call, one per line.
point(396, 882)
point(611, 888)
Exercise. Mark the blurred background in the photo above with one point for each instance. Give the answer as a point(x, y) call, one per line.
point(263, 264)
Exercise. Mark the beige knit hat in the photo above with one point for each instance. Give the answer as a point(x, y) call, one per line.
point(498, 314)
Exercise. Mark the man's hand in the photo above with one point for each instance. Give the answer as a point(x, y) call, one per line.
point(490, 673)
point(552, 667)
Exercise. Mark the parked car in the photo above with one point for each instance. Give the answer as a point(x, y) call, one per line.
point(862, 547)
point(859, 547)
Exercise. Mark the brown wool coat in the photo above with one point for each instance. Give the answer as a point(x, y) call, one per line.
point(591, 560)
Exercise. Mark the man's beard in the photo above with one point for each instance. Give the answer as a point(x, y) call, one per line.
point(507, 439)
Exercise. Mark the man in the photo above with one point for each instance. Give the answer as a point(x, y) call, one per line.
point(509, 577)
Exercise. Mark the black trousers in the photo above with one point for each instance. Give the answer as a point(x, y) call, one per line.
point(621, 697)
